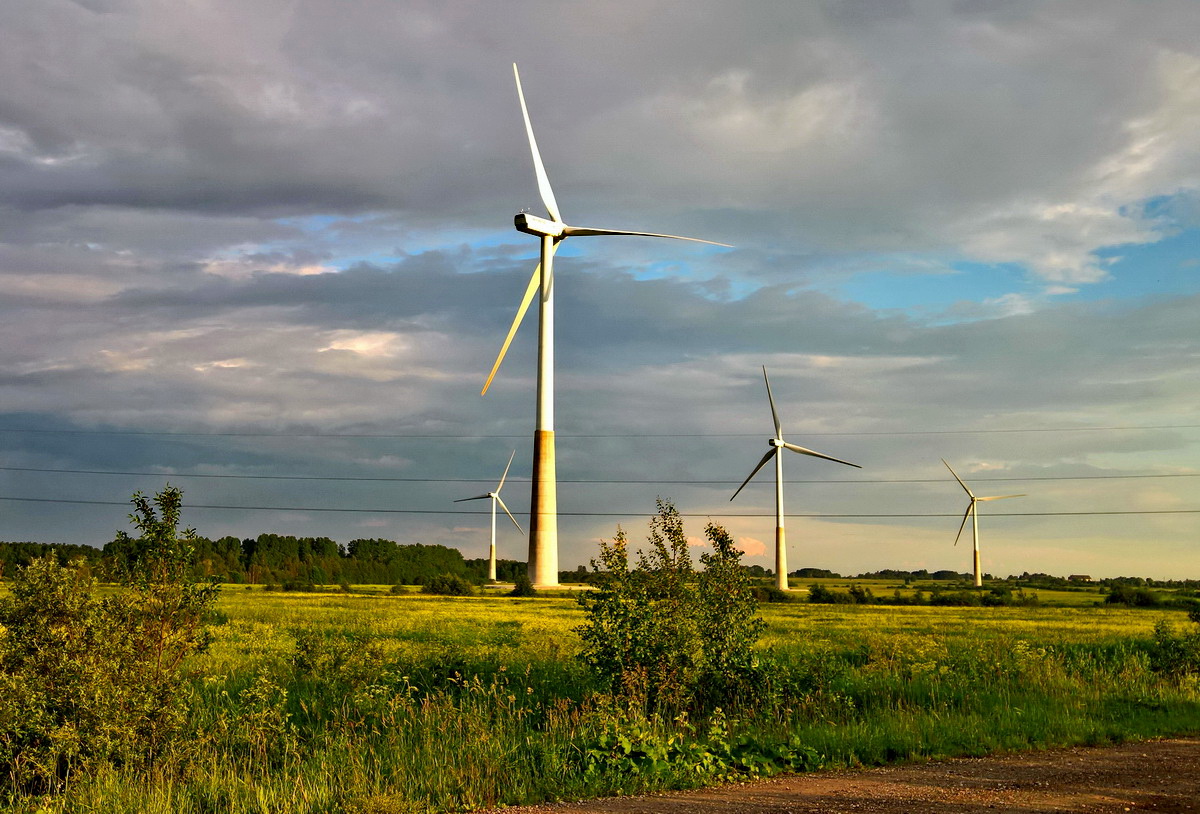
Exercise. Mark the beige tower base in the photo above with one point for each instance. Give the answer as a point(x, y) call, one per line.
point(543, 514)
point(781, 566)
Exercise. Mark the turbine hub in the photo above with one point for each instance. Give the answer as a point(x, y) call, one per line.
point(533, 225)
point(775, 442)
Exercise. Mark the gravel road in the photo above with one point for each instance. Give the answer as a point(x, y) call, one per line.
point(1159, 776)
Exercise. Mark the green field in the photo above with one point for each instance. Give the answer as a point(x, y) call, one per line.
point(368, 702)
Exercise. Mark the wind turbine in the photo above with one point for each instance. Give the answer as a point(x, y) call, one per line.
point(973, 513)
point(495, 498)
point(778, 445)
point(543, 505)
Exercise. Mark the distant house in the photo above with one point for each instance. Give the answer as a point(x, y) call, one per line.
point(1079, 578)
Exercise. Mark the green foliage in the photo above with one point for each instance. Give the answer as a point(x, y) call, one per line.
point(88, 681)
point(1174, 652)
point(1132, 596)
point(664, 753)
point(770, 593)
point(522, 586)
point(658, 634)
point(996, 596)
point(448, 585)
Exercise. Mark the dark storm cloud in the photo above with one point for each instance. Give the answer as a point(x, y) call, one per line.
point(278, 216)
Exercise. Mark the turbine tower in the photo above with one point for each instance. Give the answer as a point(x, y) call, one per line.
point(973, 513)
point(777, 445)
point(495, 498)
point(543, 505)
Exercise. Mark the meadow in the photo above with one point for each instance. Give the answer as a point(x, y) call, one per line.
point(371, 702)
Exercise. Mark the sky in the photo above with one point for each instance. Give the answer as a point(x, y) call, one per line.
point(263, 250)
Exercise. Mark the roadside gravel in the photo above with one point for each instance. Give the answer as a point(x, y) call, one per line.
point(1159, 776)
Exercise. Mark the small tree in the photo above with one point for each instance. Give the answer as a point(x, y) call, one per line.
point(86, 681)
point(448, 585)
point(522, 587)
point(660, 634)
point(727, 621)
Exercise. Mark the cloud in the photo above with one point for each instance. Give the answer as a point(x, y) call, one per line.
point(274, 217)
point(751, 547)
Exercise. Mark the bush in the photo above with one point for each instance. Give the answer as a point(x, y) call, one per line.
point(820, 595)
point(522, 586)
point(1132, 596)
point(86, 681)
point(1176, 653)
point(659, 635)
point(769, 593)
point(448, 585)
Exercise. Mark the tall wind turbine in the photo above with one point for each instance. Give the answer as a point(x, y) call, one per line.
point(495, 498)
point(778, 445)
point(543, 505)
point(973, 513)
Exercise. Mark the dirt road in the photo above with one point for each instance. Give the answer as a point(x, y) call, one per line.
point(1160, 776)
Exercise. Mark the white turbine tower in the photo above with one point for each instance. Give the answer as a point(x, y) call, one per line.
point(973, 513)
point(543, 505)
point(495, 498)
point(777, 445)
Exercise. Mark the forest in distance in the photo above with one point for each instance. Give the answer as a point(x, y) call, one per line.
point(291, 562)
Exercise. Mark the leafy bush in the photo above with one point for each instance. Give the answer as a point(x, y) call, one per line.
point(1132, 596)
point(86, 681)
point(448, 585)
point(820, 595)
point(769, 593)
point(1174, 652)
point(654, 751)
point(522, 586)
point(658, 634)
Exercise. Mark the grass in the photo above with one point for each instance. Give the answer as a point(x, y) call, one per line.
point(369, 702)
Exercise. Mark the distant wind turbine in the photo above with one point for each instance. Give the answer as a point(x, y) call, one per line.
point(543, 506)
point(973, 513)
point(495, 497)
point(777, 445)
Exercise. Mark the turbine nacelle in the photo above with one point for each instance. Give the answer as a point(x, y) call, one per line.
point(775, 442)
point(539, 227)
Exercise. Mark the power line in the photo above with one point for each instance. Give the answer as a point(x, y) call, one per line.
point(599, 514)
point(464, 436)
point(386, 479)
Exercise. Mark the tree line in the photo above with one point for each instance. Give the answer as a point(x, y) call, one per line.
point(276, 559)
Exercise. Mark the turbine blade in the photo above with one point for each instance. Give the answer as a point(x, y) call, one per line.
point(505, 475)
point(510, 517)
point(530, 292)
point(999, 497)
point(960, 480)
point(804, 451)
point(964, 522)
point(771, 399)
point(761, 463)
point(538, 169)
point(585, 231)
point(477, 497)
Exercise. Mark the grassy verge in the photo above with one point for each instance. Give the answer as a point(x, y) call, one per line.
point(372, 703)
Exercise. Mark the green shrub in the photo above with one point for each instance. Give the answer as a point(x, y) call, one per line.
point(522, 586)
point(1132, 596)
point(820, 595)
point(448, 585)
point(1174, 652)
point(87, 681)
point(663, 637)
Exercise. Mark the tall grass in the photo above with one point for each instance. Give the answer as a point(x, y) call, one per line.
point(332, 703)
